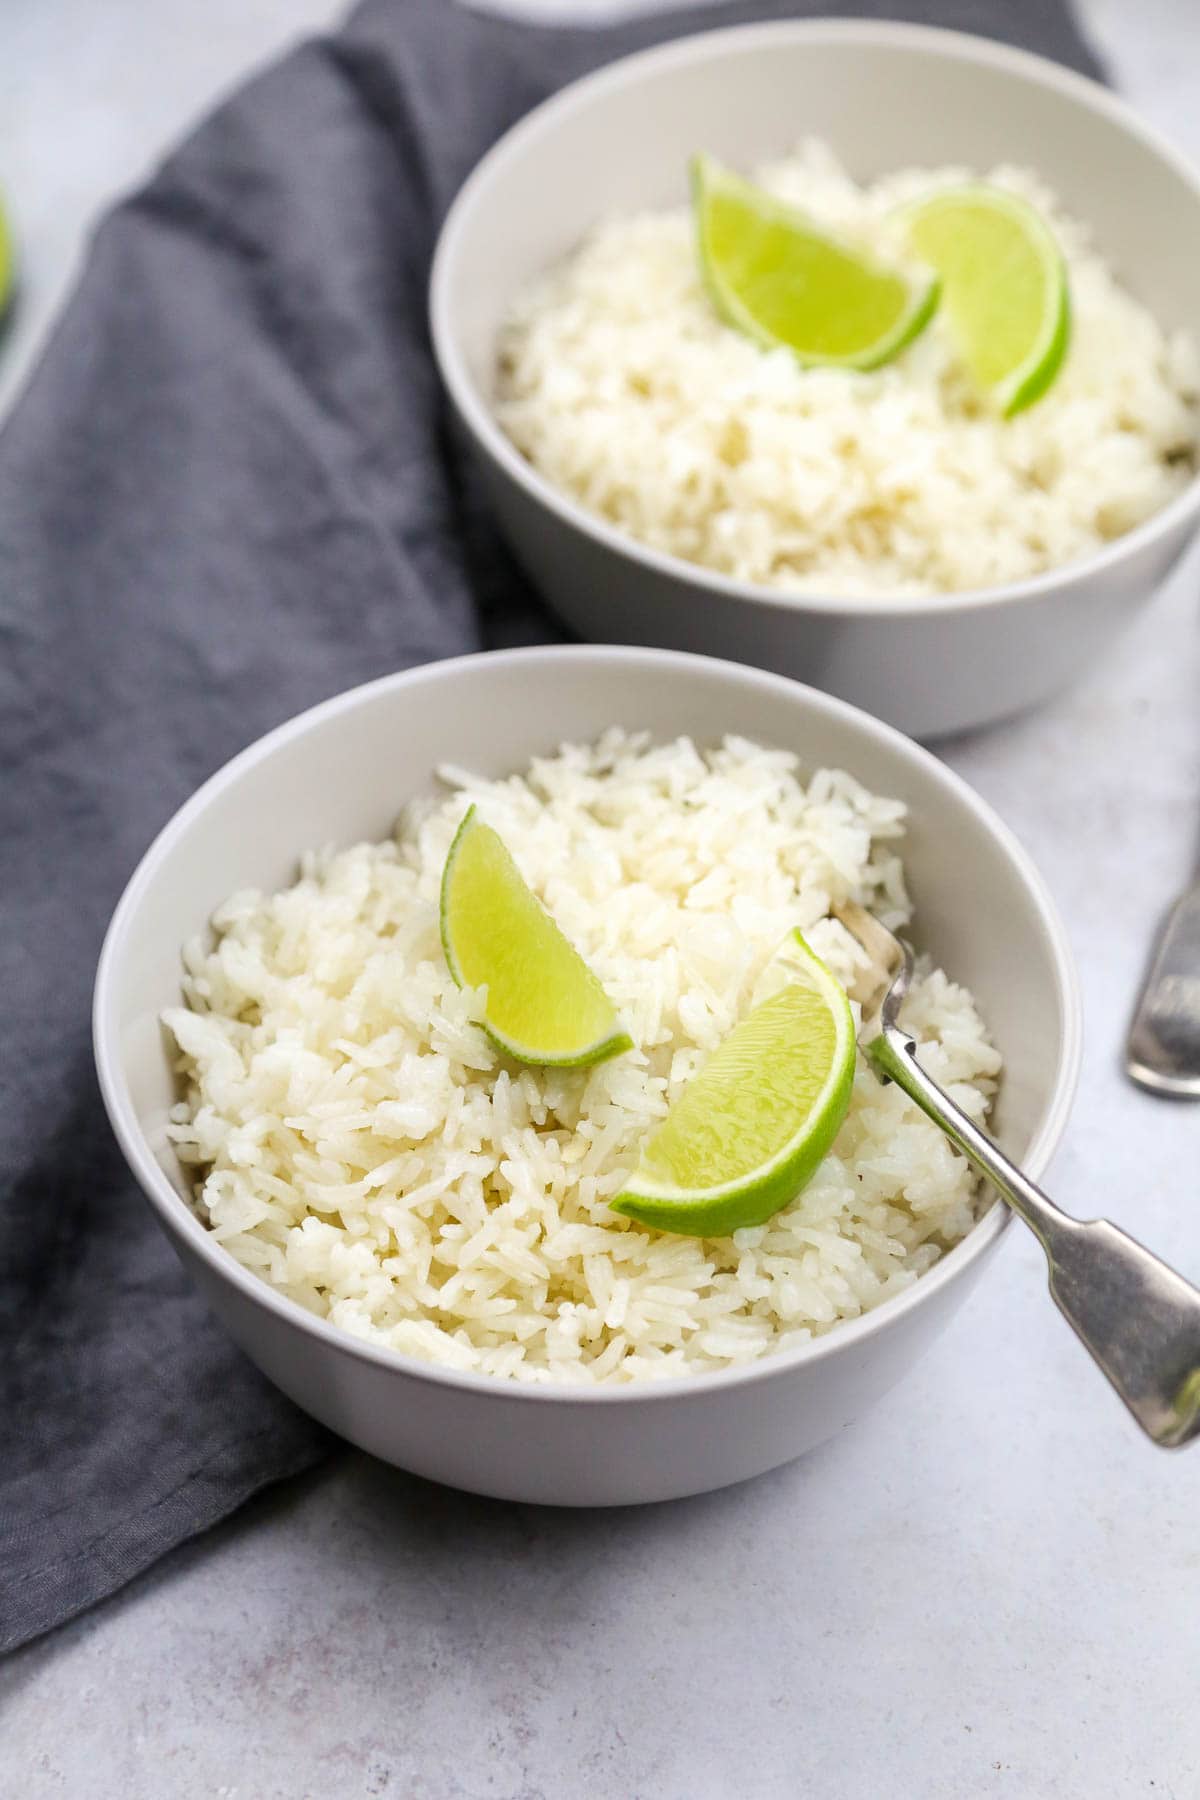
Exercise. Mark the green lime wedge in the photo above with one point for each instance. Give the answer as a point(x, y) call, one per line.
point(749, 1131)
point(1004, 287)
point(6, 263)
point(774, 275)
point(544, 1005)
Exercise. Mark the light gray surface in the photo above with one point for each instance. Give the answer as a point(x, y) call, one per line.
point(990, 1588)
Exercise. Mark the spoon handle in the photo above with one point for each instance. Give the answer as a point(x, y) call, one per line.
point(1139, 1320)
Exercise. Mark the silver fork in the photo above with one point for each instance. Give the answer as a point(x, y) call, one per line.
point(1163, 1053)
point(1139, 1320)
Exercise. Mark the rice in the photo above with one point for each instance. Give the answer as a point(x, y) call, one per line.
point(361, 1146)
point(618, 381)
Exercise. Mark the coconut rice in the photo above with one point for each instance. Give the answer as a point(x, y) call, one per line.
point(360, 1144)
point(621, 385)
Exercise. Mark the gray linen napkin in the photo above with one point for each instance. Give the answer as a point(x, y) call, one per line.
point(227, 493)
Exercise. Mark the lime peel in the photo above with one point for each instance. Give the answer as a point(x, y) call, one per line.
point(751, 1128)
point(779, 278)
point(544, 1004)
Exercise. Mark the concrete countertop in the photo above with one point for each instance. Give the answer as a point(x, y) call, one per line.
point(990, 1587)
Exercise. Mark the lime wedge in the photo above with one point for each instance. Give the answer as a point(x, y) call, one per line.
point(1004, 287)
point(774, 275)
point(750, 1129)
point(6, 263)
point(544, 1005)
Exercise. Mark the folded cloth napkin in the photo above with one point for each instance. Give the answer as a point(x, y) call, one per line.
point(227, 493)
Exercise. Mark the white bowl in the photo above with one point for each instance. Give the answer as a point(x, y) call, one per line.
point(886, 96)
point(340, 773)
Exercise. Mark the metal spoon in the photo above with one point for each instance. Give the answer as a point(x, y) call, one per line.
point(1163, 1053)
point(1139, 1320)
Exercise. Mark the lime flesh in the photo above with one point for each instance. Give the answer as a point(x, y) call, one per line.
point(775, 275)
point(749, 1131)
point(544, 1005)
point(1004, 288)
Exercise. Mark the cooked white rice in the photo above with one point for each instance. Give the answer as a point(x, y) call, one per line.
point(362, 1146)
point(618, 381)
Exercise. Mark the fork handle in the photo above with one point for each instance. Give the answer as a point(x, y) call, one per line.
point(1139, 1320)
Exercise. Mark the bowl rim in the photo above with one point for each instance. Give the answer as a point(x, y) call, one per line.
point(182, 1223)
point(956, 46)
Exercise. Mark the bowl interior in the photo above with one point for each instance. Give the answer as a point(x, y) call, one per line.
point(341, 774)
point(885, 96)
